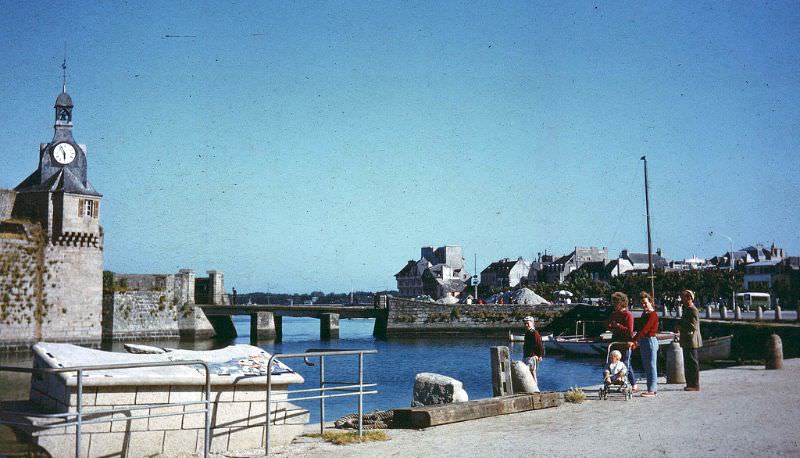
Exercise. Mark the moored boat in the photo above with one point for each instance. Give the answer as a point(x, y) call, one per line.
point(718, 348)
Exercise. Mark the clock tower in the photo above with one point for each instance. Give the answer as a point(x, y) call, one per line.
point(58, 197)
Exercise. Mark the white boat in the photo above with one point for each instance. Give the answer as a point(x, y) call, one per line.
point(590, 346)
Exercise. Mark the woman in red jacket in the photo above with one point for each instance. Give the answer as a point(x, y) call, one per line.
point(620, 323)
point(646, 339)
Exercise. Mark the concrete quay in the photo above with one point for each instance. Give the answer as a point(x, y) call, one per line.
point(740, 411)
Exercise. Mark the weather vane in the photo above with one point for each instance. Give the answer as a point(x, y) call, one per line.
point(64, 70)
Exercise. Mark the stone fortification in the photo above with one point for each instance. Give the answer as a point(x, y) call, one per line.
point(142, 306)
point(48, 290)
point(409, 317)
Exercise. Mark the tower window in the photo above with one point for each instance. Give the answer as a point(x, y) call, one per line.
point(88, 207)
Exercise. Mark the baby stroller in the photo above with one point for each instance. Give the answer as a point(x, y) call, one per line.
point(623, 386)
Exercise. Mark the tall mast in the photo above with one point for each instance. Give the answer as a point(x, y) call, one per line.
point(649, 239)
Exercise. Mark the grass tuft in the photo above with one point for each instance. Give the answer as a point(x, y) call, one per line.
point(351, 437)
point(575, 395)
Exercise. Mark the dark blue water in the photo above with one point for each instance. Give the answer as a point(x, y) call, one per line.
point(398, 360)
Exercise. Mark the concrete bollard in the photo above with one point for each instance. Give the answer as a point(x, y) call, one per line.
point(680, 311)
point(774, 352)
point(708, 312)
point(759, 313)
point(737, 313)
point(501, 371)
point(675, 364)
point(723, 312)
point(778, 313)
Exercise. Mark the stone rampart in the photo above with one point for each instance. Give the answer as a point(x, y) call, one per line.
point(47, 291)
point(152, 306)
point(410, 317)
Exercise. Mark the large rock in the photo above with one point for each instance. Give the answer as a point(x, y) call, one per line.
point(521, 378)
point(430, 389)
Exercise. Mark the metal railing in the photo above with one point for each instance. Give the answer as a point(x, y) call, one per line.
point(79, 414)
point(340, 388)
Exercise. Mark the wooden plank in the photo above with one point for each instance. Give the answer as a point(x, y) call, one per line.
point(427, 416)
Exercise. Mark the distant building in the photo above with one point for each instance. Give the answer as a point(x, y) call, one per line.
point(505, 273)
point(635, 263)
point(558, 270)
point(749, 255)
point(535, 274)
point(693, 263)
point(445, 273)
point(763, 275)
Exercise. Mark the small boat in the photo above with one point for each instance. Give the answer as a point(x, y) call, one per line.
point(521, 338)
point(591, 346)
point(516, 337)
point(714, 349)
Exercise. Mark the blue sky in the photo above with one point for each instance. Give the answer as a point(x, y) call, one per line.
point(303, 146)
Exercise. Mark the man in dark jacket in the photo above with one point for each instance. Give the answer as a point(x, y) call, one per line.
point(532, 349)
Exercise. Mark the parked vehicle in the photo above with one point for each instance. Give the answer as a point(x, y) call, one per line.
point(754, 300)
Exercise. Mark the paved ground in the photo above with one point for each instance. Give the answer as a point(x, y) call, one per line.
point(741, 411)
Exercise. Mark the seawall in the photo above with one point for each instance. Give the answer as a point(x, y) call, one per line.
point(406, 317)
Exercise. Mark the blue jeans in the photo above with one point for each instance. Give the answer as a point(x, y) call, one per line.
point(631, 374)
point(648, 346)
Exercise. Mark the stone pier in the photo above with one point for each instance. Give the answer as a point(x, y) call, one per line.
point(328, 326)
point(265, 326)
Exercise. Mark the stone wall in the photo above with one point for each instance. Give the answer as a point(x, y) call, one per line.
point(410, 317)
point(152, 306)
point(7, 198)
point(47, 292)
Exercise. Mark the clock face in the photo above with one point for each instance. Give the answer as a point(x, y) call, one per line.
point(64, 153)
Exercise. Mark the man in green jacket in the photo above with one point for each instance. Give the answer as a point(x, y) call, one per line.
point(691, 340)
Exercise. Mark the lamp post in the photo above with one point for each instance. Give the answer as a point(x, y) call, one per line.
point(730, 261)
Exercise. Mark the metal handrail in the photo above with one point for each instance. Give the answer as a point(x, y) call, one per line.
point(78, 414)
point(322, 389)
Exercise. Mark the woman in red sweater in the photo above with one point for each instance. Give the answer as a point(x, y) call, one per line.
point(620, 323)
point(646, 339)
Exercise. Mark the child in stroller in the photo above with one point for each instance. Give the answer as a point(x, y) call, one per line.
point(615, 375)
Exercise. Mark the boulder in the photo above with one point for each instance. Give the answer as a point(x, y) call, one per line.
point(521, 378)
point(430, 389)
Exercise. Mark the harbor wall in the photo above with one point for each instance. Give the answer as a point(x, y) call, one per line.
point(750, 338)
point(406, 317)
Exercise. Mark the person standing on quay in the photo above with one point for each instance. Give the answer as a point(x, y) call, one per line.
point(620, 323)
point(532, 349)
point(691, 340)
point(646, 339)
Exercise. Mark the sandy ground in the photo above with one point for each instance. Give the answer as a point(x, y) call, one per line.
point(741, 411)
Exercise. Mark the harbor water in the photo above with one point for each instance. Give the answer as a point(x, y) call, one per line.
point(393, 368)
point(398, 360)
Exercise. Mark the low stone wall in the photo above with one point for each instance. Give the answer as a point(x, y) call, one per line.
point(409, 317)
point(238, 410)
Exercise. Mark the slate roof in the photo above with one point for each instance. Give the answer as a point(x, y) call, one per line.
point(64, 100)
point(62, 181)
point(641, 258)
point(409, 270)
point(504, 266)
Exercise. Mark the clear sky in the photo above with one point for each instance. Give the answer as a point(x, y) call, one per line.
point(302, 146)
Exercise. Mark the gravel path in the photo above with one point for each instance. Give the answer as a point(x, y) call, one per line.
point(741, 411)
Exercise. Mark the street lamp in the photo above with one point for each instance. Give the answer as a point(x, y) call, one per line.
point(730, 261)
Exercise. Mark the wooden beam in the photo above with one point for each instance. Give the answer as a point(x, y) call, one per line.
point(427, 416)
